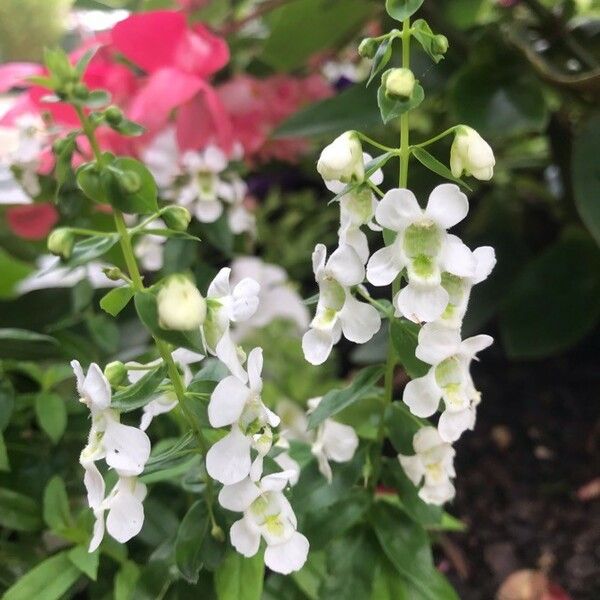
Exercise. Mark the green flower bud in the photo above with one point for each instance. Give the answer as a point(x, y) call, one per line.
point(439, 44)
point(181, 306)
point(115, 372)
point(400, 83)
point(113, 273)
point(61, 241)
point(59, 145)
point(367, 48)
point(217, 533)
point(114, 115)
point(177, 217)
point(129, 181)
point(81, 91)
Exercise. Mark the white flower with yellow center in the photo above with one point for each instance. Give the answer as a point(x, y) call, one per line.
point(268, 515)
point(448, 379)
point(422, 247)
point(338, 311)
point(471, 154)
point(432, 464)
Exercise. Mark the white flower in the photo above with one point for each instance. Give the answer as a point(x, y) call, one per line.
point(338, 311)
point(11, 191)
point(150, 248)
point(161, 157)
point(423, 247)
point(180, 305)
point(226, 306)
point(342, 159)
point(449, 379)
point(277, 298)
point(432, 463)
point(267, 514)
point(333, 441)
point(472, 154)
point(234, 191)
point(235, 404)
point(285, 461)
point(459, 288)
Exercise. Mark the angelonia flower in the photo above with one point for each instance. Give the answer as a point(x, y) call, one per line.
point(267, 514)
point(180, 305)
point(149, 249)
point(432, 465)
point(471, 154)
point(342, 160)
point(449, 379)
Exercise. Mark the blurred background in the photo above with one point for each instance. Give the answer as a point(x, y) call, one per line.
point(526, 75)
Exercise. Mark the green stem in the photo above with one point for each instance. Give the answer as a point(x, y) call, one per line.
point(376, 144)
point(436, 138)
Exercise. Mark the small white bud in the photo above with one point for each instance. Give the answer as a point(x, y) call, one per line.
point(342, 160)
point(400, 83)
point(180, 305)
point(472, 154)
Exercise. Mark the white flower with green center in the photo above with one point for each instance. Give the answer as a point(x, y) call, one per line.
point(449, 379)
point(233, 191)
point(471, 154)
point(459, 288)
point(423, 247)
point(342, 160)
point(268, 515)
point(338, 311)
point(225, 306)
point(432, 465)
point(235, 404)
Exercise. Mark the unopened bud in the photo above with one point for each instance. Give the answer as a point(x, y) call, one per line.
point(81, 91)
point(181, 306)
point(177, 217)
point(115, 372)
point(439, 44)
point(399, 83)
point(471, 154)
point(217, 533)
point(129, 181)
point(61, 241)
point(367, 48)
point(342, 160)
point(114, 115)
point(113, 273)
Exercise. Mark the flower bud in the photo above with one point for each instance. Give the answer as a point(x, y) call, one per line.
point(115, 372)
point(61, 241)
point(217, 533)
point(177, 217)
point(439, 44)
point(129, 181)
point(180, 305)
point(81, 91)
point(399, 83)
point(367, 48)
point(114, 115)
point(342, 160)
point(113, 273)
point(472, 154)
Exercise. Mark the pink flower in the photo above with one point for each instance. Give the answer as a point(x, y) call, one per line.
point(32, 222)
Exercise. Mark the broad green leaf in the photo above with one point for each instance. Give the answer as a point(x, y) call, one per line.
point(19, 512)
point(401, 426)
point(13, 270)
point(51, 414)
point(127, 127)
point(4, 462)
point(433, 164)
point(393, 108)
point(194, 527)
point(354, 108)
point(240, 578)
point(404, 339)
point(49, 580)
point(104, 332)
point(9, 334)
point(553, 301)
point(586, 175)
point(334, 401)
point(97, 99)
point(125, 580)
point(57, 513)
point(381, 58)
point(89, 249)
point(310, 577)
point(7, 402)
point(90, 181)
point(423, 34)
point(402, 9)
point(82, 294)
point(219, 235)
point(406, 545)
point(141, 392)
point(142, 200)
point(116, 300)
point(86, 562)
point(301, 28)
point(388, 584)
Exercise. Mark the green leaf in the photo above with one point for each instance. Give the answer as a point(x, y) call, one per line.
point(423, 34)
point(89, 249)
point(402, 9)
point(405, 335)
point(4, 462)
point(97, 99)
point(141, 201)
point(240, 578)
point(553, 301)
point(57, 513)
point(12, 334)
point(49, 580)
point(336, 400)
point(219, 235)
point(387, 583)
point(402, 426)
point(125, 581)
point(89, 179)
point(51, 414)
point(381, 58)
point(586, 175)
point(406, 545)
point(351, 109)
point(104, 332)
point(433, 164)
point(13, 270)
point(127, 127)
point(323, 23)
point(116, 300)
point(392, 108)
point(82, 294)
point(145, 305)
point(84, 60)
point(19, 512)
point(7, 402)
point(141, 392)
point(86, 562)
point(194, 527)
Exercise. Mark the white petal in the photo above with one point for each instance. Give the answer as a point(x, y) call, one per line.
point(319, 257)
point(227, 401)
point(485, 260)
point(471, 346)
point(127, 448)
point(98, 532)
point(79, 375)
point(228, 460)
point(421, 303)
point(244, 537)
point(385, 265)
point(426, 439)
point(437, 342)
point(96, 388)
point(239, 496)
point(276, 482)
point(255, 366)
point(186, 357)
point(324, 466)
point(335, 186)
point(125, 517)
point(437, 494)
point(219, 288)
point(289, 556)
point(272, 418)
point(94, 485)
point(413, 467)
point(227, 353)
point(245, 300)
point(447, 205)
point(208, 211)
point(422, 396)
point(453, 424)
point(317, 345)
point(398, 209)
point(456, 258)
point(357, 240)
point(285, 461)
point(360, 321)
point(345, 266)
point(339, 441)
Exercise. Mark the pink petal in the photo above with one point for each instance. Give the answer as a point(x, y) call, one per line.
point(14, 74)
point(201, 52)
point(32, 222)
